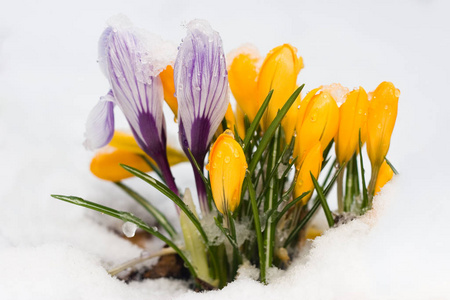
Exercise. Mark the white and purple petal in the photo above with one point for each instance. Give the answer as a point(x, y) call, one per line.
point(100, 123)
point(201, 83)
point(138, 94)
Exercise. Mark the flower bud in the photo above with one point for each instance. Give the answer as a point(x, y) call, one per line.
point(384, 176)
point(319, 123)
point(311, 163)
point(242, 77)
point(380, 122)
point(279, 73)
point(227, 166)
point(352, 121)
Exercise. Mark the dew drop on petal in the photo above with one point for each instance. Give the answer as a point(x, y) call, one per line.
point(397, 93)
point(219, 154)
point(299, 182)
point(386, 106)
point(379, 126)
point(227, 159)
point(314, 117)
point(129, 229)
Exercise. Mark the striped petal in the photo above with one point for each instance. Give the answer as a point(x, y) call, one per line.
point(201, 84)
point(100, 123)
point(138, 91)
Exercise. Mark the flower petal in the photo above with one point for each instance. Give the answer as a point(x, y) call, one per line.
point(100, 123)
point(201, 84)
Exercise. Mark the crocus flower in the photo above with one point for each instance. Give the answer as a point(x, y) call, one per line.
point(279, 73)
point(201, 86)
point(317, 123)
point(384, 176)
point(380, 122)
point(137, 90)
point(243, 74)
point(227, 166)
point(123, 149)
point(352, 120)
point(312, 163)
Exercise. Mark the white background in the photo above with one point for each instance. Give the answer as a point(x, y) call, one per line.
point(49, 80)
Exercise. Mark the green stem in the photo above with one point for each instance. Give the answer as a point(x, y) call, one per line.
point(259, 237)
point(340, 192)
point(271, 200)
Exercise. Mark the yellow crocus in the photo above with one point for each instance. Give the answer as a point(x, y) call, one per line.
point(230, 119)
point(319, 123)
point(279, 73)
point(169, 89)
point(242, 76)
point(290, 120)
point(352, 121)
point(380, 122)
point(123, 149)
point(227, 166)
point(311, 163)
point(384, 176)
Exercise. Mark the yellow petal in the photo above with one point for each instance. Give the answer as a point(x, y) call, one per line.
point(169, 89)
point(381, 121)
point(279, 73)
point(227, 166)
point(242, 78)
point(384, 176)
point(106, 164)
point(229, 117)
point(320, 124)
point(353, 119)
point(289, 121)
point(123, 149)
point(240, 123)
point(311, 163)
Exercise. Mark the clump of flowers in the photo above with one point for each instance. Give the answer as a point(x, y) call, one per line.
point(270, 164)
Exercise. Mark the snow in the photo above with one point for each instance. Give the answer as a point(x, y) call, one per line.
point(49, 81)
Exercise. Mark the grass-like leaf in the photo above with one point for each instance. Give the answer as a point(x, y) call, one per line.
point(127, 217)
point(159, 216)
point(322, 199)
point(365, 203)
point(254, 125)
point(171, 195)
point(259, 238)
point(391, 166)
point(267, 137)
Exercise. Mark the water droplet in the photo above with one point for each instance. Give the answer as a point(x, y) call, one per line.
point(299, 182)
point(129, 229)
point(155, 228)
point(219, 154)
point(360, 111)
point(227, 159)
point(236, 154)
point(397, 93)
point(386, 106)
point(313, 117)
point(379, 126)
point(214, 165)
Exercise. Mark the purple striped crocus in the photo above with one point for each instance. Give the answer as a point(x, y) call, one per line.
point(137, 90)
point(201, 84)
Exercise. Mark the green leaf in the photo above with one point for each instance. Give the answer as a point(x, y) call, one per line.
point(365, 203)
point(127, 217)
point(259, 238)
point(289, 205)
point(322, 199)
point(267, 137)
point(159, 216)
point(254, 125)
point(391, 166)
point(169, 194)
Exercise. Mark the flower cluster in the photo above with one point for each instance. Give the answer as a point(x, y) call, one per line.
point(265, 156)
